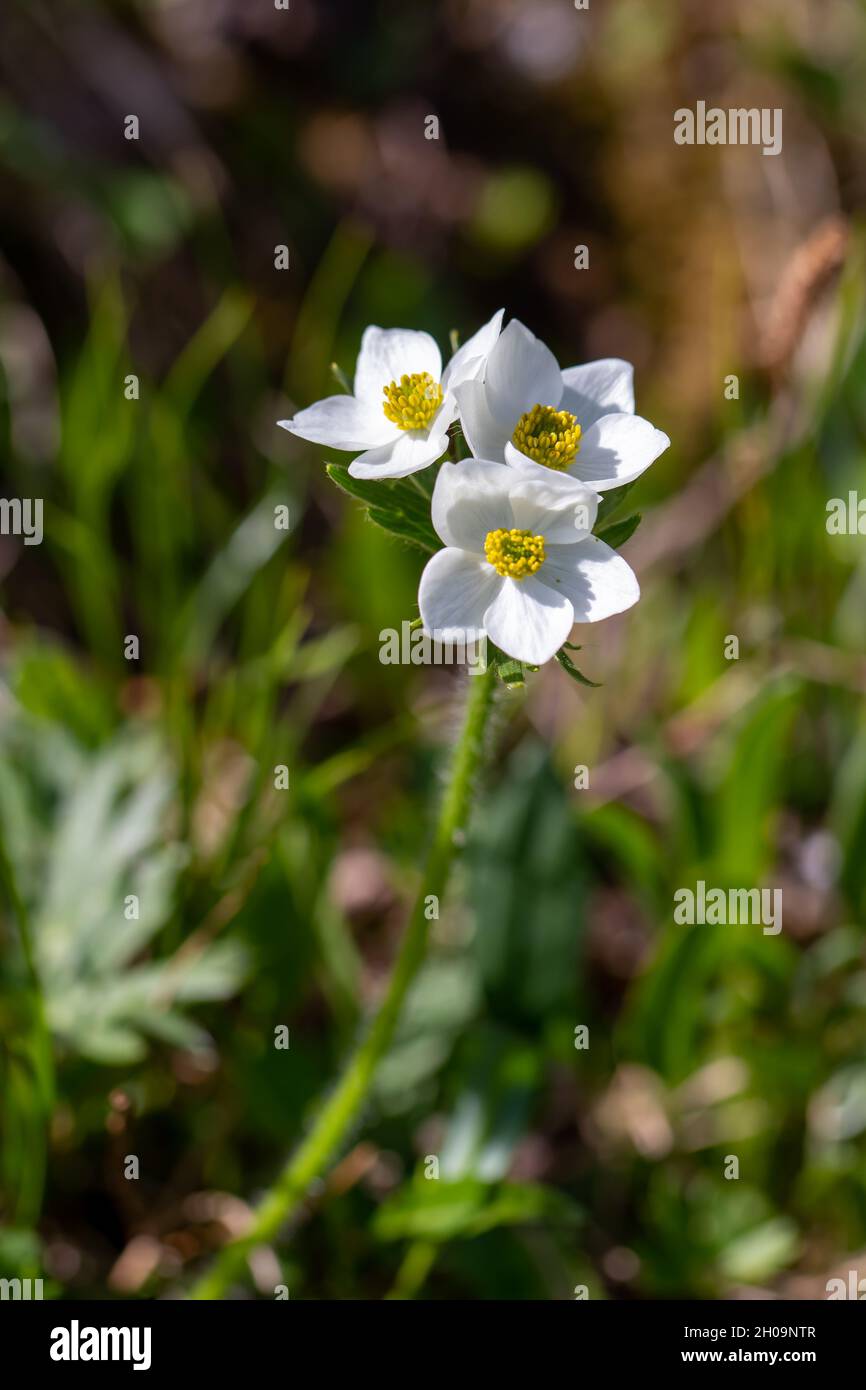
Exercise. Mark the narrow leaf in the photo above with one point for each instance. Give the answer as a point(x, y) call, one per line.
point(568, 665)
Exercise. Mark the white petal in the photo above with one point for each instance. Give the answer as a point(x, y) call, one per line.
point(455, 591)
point(596, 580)
point(521, 372)
point(469, 359)
point(616, 449)
point(484, 435)
point(411, 451)
point(341, 422)
point(471, 498)
point(598, 388)
point(579, 522)
point(528, 620)
point(553, 505)
point(389, 353)
point(445, 416)
point(522, 462)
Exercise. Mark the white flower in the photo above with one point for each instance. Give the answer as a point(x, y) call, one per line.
point(519, 564)
point(580, 421)
point(402, 404)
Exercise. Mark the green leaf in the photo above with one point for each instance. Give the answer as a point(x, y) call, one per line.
point(618, 532)
point(231, 571)
point(394, 504)
point(491, 1111)
point(569, 667)
point(747, 800)
point(53, 686)
point(439, 1007)
point(20, 1251)
point(611, 503)
point(526, 888)
point(107, 834)
point(440, 1211)
point(759, 1254)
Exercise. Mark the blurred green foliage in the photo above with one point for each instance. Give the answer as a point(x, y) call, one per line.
point(560, 1165)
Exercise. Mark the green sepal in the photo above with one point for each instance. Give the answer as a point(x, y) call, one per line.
point(510, 672)
point(394, 504)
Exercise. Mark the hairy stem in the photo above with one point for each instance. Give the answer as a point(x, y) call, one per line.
point(455, 440)
point(340, 1109)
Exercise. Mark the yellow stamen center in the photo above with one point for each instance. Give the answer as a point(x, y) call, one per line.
point(514, 554)
point(548, 436)
point(412, 401)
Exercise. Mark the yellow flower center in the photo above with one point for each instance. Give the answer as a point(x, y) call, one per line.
point(548, 436)
point(514, 554)
point(412, 401)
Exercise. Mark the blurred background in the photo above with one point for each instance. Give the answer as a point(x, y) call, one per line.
point(152, 1036)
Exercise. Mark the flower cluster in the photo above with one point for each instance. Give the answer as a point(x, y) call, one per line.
point(519, 560)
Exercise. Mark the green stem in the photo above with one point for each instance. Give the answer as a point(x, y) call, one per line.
point(337, 1114)
point(417, 1264)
